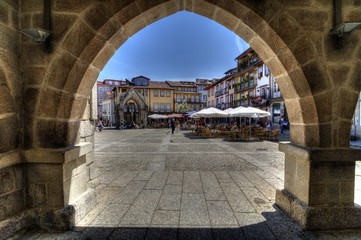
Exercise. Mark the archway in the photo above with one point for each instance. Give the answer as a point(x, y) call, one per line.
point(298, 52)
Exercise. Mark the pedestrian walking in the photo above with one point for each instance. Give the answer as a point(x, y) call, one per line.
point(172, 125)
point(177, 124)
point(283, 123)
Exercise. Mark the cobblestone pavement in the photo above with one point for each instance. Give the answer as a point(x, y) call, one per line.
point(154, 185)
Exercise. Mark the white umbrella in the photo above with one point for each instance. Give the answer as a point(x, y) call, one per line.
point(157, 116)
point(248, 112)
point(210, 113)
point(228, 110)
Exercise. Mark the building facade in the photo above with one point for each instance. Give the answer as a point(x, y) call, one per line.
point(201, 85)
point(157, 95)
point(104, 89)
point(185, 91)
point(108, 111)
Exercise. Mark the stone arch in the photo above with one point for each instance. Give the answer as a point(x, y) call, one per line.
point(9, 121)
point(123, 98)
point(85, 61)
point(292, 37)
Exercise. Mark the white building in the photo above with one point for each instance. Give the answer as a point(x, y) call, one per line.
point(109, 111)
point(201, 85)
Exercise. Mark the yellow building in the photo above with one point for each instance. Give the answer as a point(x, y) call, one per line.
point(186, 92)
point(158, 95)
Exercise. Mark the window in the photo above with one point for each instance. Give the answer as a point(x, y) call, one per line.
point(168, 107)
point(185, 98)
point(168, 93)
point(204, 98)
point(162, 93)
point(145, 92)
point(192, 107)
point(155, 106)
point(192, 98)
point(162, 107)
point(209, 103)
point(209, 92)
point(212, 91)
point(139, 91)
point(199, 88)
point(155, 93)
point(100, 90)
point(179, 98)
point(212, 103)
point(260, 72)
point(197, 98)
point(183, 89)
point(266, 71)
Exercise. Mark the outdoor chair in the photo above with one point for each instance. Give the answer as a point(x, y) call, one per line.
point(231, 135)
point(206, 133)
point(274, 135)
point(262, 134)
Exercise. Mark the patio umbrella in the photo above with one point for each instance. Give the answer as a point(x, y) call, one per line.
point(157, 116)
point(210, 113)
point(175, 115)
point(249, 112)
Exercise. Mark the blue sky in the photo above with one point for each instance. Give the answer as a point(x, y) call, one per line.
point(183, 46)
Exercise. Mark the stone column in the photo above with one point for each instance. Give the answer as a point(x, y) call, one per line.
point(319, 187)
point(57, 180)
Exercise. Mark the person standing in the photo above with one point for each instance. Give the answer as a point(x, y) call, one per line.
point(282, 123)
point(172, 123)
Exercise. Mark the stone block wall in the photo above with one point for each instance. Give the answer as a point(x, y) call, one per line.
point(12, 174)
point(12, 191)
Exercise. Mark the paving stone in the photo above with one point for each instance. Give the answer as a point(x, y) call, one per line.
point(96, 233)
point(221, 214)
point(240, 179)
point(171, 198)
point(253, 226)
point(255, 197)
point(223, 177)
point(91, 215)
point(261, 184)
point(163, 217)
point(196, 233)
point(227, 232)
point(161, 232)
point(130, 192)
point(236, 198)
point(194, 210)
point(124, 179)
point(175, 178)
point(128, 233)
point(212, 189)
point(192, 182)
point(157, 181)
point(107, 194)
point(144, 176)
point(141, 212)
point(111, 215)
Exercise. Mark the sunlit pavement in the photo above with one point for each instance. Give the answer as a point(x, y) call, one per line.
point(151, 184)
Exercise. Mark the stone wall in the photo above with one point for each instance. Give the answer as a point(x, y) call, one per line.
point(44, 97)
point(12, 174)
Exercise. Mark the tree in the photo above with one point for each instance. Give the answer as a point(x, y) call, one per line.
point(183, 107)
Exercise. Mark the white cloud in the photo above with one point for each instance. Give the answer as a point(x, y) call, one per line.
point(240, 46)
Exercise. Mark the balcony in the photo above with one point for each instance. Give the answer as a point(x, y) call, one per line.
point(248, 64)
point(276, 95)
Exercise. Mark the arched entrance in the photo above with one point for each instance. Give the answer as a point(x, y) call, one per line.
point(319, 82)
